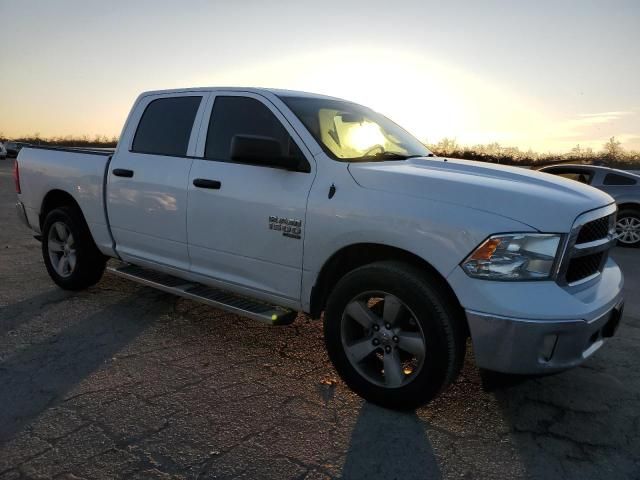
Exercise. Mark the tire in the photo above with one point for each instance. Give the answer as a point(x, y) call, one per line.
point(84, 262)
point(423, 309)
point(628, 228)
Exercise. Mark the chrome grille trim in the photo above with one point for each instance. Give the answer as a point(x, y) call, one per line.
point(572, 250)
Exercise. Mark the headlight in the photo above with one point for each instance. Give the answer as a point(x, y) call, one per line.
point(520, 256)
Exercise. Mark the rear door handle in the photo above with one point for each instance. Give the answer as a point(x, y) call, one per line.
point(204, 183)
point(122, 172)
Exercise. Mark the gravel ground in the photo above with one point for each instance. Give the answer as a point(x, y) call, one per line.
point(121, 381)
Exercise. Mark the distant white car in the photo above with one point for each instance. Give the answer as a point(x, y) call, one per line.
point(3, 151)
point(13, 148)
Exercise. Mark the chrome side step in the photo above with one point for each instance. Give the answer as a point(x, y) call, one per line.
point(270, 314)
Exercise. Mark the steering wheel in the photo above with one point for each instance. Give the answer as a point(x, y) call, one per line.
point(373, 149)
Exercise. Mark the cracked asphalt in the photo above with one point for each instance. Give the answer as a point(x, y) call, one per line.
point(122, 381)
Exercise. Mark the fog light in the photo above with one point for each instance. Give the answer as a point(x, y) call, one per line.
point(548, 346)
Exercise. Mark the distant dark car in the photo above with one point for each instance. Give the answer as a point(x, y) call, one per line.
point(623, 186)
point(13, 148)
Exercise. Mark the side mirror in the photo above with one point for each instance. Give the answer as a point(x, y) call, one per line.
point(259, 150)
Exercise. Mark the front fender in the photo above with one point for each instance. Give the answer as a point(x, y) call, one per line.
point(440, 233)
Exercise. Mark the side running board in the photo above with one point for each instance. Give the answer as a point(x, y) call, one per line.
point(270, 314)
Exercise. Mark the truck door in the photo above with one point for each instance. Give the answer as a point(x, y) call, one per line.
point(148, 178)
point(246, 221)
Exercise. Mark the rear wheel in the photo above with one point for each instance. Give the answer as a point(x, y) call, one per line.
point(628, 228)
point(394, 334)
point(72, 259)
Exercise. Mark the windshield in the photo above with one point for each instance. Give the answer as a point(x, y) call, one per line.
point(351, 132)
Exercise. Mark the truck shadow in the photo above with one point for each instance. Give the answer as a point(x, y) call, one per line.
point(38, 376)
point(16, 314)
point(582, 423)
point(389, 444)
point(577, 424)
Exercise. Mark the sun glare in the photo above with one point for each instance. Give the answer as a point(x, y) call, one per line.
point(364, 136)
point(428, 97)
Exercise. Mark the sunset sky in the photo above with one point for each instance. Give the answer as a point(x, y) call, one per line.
point(545, 75)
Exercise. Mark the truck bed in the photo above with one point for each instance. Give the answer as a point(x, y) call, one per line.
point(78, 172)
point(89, 151)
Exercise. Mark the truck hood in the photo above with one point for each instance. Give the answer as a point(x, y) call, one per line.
point(543, 201)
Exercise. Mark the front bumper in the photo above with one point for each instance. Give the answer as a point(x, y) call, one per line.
point(513, 345)
point(538, 327)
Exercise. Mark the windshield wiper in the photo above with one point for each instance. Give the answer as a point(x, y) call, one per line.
point(389, 156)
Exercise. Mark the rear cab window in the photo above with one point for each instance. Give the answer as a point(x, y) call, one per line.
point(165, 126)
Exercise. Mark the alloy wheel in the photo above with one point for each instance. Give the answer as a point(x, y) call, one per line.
point(62, 251)
point(628, 230)
point(382, 339)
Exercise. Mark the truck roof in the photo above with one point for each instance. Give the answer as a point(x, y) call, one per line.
point(274, 91)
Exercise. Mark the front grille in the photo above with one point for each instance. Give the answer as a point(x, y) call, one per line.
point(583, 267)
point(594, 230)
point(588, 246)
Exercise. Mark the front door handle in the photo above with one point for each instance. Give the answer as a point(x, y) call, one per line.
point(204, 183)
point(122, 172)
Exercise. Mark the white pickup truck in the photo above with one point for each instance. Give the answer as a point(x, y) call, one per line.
point(269, 202)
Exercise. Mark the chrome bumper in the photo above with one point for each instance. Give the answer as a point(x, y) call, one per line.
point(513, 345)
point(22, 214)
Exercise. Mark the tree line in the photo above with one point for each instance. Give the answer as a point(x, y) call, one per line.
point(97, 141)
point(611, 154)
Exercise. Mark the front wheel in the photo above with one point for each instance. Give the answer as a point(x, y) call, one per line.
point(72, 259)
point(394, 334)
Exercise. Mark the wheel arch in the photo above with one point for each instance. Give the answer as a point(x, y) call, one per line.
point(356, 255)
point(57, 198)
point(629, 206)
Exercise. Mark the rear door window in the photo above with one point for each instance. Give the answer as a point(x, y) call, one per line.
point(165, 126)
